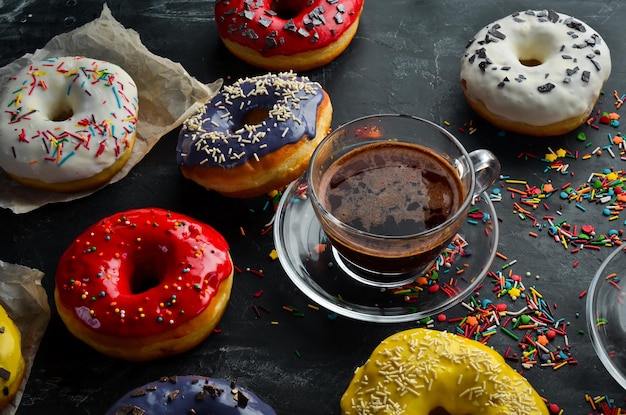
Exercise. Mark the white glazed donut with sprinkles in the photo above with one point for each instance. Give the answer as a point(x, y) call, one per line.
point(67, 123)
point(536, 72)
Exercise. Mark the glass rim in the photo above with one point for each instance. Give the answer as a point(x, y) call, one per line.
point(469, 195)
point(590, 312)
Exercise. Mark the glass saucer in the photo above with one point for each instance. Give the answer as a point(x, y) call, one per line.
point(606, 314)
point(311, 265)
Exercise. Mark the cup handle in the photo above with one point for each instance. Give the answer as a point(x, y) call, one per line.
point(486, 167)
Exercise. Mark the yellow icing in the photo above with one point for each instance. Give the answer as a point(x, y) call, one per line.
point(11, 360)
point(417, 371)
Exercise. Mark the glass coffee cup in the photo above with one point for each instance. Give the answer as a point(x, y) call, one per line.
point(391, 192)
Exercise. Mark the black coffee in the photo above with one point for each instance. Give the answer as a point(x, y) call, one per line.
point(392, 189)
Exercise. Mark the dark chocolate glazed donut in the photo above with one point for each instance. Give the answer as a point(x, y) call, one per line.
point(191, 394)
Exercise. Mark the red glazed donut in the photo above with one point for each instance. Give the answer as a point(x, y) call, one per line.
point(144, 284)
point(280, 35)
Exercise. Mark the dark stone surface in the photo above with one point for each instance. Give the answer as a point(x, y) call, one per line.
point(404, 59)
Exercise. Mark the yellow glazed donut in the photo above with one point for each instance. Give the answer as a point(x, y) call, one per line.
point(67, 123)
point(422, 372)
point(536, 72)
point(11, 359)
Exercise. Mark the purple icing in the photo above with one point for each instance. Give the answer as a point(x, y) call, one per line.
point(219, 136)
point(185, 394)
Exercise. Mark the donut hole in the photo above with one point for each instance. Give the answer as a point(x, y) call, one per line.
point(142, 283)
point(255, 116)
point(535, 49)
point(438, 411)
point(60, 113)
point(531, 56)
point(530, 62)
point(146, 275)
point(288, 9)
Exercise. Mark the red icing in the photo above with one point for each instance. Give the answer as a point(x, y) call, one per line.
point(174, 262)
point(254, 24)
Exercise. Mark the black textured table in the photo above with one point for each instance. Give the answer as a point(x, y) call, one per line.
point(404, 59)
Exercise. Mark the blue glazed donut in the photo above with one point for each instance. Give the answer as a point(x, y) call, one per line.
point(185, 395)
point(256, 135)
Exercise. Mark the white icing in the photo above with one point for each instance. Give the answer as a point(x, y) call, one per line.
point(66, 118)
point(560, 43)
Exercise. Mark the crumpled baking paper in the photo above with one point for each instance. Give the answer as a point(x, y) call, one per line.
point(26, 302)
point(167, 95)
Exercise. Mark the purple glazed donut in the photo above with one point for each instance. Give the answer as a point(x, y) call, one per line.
point(256, 135)
point(188, 395)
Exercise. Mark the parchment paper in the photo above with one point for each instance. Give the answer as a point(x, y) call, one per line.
point(167, 95)
point(26, 302)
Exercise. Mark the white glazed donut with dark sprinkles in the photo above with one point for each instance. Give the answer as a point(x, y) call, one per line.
point(537, 67)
